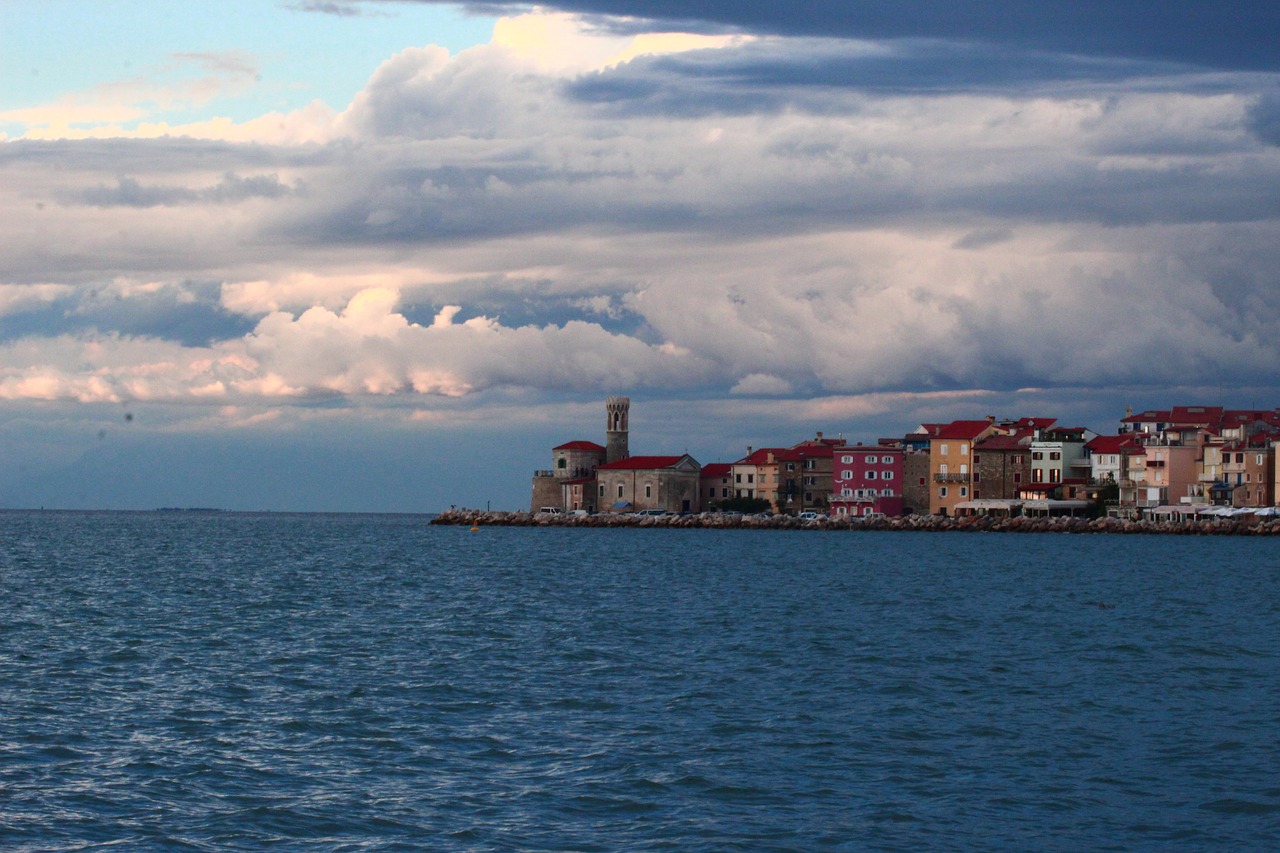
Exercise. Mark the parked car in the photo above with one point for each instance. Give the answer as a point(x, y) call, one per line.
point(550, 510)
point(652, 512)
point(811, 516)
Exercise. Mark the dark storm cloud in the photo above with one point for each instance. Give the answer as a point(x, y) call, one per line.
point(812, 73)
point(1233, 34)
point(129, 192)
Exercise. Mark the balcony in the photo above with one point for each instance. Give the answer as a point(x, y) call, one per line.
point(950, 478)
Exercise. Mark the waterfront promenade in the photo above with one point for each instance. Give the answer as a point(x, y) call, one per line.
point(1244, 526)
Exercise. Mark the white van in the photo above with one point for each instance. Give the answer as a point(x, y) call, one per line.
point(551, 510)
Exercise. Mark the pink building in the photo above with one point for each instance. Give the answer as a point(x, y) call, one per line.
point(866, 480)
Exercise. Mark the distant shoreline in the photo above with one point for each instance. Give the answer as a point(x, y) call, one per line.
point(908, 523)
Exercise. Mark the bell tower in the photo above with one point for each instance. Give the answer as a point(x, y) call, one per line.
point(615, 430)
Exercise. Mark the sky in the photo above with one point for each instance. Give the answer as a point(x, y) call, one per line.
point(383, 255)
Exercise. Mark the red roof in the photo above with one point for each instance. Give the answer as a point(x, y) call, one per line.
point(580, 445)
point(1017, 441)
point(716, 469)
point(961, 429)
point(641, 463)
point(806, 451)
point(1036, 423)
point(1113, 443)
point(760, 457)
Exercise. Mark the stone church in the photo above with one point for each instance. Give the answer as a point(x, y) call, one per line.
point(594, 478)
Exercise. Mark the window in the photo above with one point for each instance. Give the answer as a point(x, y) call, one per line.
point(942, 469)
point(977, 478)
point(886, 493)
point(1037, 475)
point(848, 493)
point(846, 475)
point(1055, 475)
point(737, 478)
point(922, 481)
point(810, 481)
point(724, 493)
point(847, 460)
point(751, 478)
point(964, 491)
point(791, 466)
point(976, 459)
point(964, 449)
point(886, 475)
point(619, 490)
point(562, 462)
point(942, 491)
point(648, 491)
point(808, 496)
point(964, 468)
point(1258, 461)
point(871, 475)
point(977, 493)
point(943, 449)
point(602, 490)
point(1037, 455)
point(1017, 477)
point(1017, 460)
point(1055, 454)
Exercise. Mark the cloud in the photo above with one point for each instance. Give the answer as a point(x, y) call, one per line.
point(128, 192)
point(190, 81)
point(725, 218)
point(1233, 35)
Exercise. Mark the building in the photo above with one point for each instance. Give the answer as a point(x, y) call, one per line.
point(951, 449)
point(1001, 465)
point(748, 470)
point(867, 480)
point(649, 482)
point(569, 483)
point(617, 429)
point(716, 484)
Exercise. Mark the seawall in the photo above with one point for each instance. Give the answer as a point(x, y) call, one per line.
point(920, 523)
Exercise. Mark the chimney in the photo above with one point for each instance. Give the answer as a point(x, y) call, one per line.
point(991, 419)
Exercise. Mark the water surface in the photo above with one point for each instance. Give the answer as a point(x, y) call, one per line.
point(228, 681)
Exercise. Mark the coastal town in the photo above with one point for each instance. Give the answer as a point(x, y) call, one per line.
point(1186, 462)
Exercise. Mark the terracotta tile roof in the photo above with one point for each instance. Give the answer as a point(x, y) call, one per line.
point(961, 429)
point(1017, 441)
point(1113, 444)
point(716, 469)
point(641, 463)
point(759, 457)
point(580, 445)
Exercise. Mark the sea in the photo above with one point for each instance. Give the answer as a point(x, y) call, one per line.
point(226, 681)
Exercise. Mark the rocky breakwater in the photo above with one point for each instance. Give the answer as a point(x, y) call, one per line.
point(922, 523)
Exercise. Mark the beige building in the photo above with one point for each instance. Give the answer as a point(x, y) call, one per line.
point(649, 482)
point(951, 449)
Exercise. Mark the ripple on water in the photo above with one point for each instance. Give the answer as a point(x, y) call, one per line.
point(234, 682)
